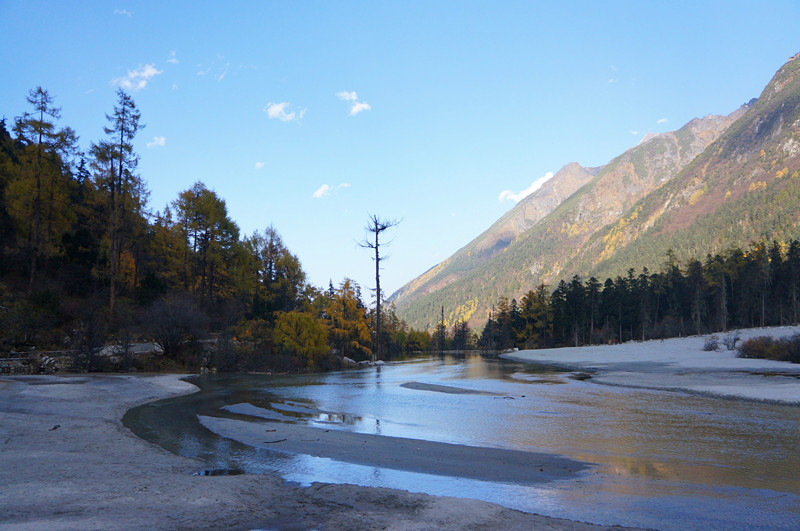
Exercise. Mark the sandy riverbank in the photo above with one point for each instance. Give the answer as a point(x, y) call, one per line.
point(681, 364)
point(67, 462)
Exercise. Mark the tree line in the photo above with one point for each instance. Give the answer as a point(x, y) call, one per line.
point(749, 288)
point(84, 262)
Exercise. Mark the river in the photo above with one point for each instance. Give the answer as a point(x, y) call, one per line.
point(659, 459)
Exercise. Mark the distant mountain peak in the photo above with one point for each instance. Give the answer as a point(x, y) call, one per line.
point(648, 136)
point(715, 182)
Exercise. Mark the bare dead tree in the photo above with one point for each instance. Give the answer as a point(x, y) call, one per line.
point(376, 226)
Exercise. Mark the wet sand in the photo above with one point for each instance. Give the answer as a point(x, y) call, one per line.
point(67, 462)
point(398, 453)
point(448, 389)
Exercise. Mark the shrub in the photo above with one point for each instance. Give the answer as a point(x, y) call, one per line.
point(782, 349)
point(89, 338)
point(731, 340)
point(757, 347)
point(176, 322)
point(711, 344)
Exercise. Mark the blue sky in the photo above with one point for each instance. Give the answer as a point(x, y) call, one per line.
point(310, 116)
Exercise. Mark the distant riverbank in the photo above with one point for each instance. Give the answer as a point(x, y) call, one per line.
point(682, 364)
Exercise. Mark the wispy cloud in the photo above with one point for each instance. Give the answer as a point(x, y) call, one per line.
point(662, 121)
point(612, 79)
point(123, 12)
point(224, 72)
point(282, 111)
point(634, 133)
point(259, 165)
point(356, 106)
point(157, 142)
point(322, 191)
point(138, 78)
point(327, 189)
point(519, 196)
point(218, 68)
point(173, 58)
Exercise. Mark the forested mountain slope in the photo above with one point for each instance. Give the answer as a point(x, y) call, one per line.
point(717, 182)
point(744, 188)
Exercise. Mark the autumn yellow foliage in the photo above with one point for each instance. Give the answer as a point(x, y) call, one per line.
point(696, 195)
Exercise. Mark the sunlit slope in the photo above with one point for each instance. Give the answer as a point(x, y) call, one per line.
point(718, 182)
point(744, 188)
point(505, 230)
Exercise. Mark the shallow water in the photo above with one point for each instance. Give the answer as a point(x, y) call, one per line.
point(661, 460)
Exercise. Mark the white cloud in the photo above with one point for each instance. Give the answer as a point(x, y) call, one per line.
point(282, 112)
point(347, 96)
point(137, 79)
point(259, 165)
point(326, 189)
point(358, 107)
point(157, 142)
point(322, 191)
point(355, 105)
point(519, 196)
point(663, 121)
point(123, 12)
point(634, 133)
point(172, 59)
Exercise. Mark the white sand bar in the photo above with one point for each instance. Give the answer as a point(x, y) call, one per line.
point(682, 365)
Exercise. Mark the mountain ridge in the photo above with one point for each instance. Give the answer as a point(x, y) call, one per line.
point(638, 192)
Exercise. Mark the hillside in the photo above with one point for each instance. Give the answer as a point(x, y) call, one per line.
point(717, 182)
point(744, 188)
point(503, 232)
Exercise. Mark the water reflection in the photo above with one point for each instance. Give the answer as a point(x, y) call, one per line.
point(663, 459)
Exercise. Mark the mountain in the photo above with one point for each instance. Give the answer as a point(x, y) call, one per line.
point(504, 231)
point(744, 188)
point(717, 182)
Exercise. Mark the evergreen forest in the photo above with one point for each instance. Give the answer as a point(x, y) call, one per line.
point(756, 287)
point(85, 264)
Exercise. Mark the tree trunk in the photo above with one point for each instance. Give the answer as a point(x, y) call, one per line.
point(377, 300)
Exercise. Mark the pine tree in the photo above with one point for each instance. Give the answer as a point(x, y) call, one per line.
point(115, 164)
point(50, 145)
